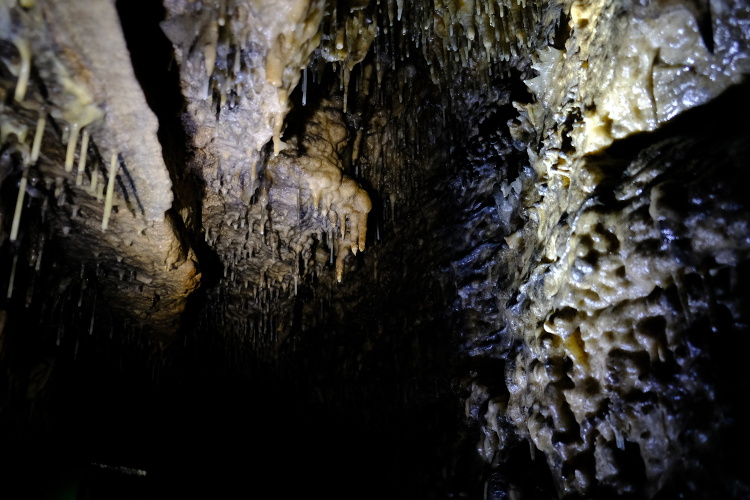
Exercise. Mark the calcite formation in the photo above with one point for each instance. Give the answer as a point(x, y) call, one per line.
point(108, 212)
point(605, 298)
point(518, 227)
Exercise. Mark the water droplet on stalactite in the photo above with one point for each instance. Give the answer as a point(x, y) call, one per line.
point(222, 14)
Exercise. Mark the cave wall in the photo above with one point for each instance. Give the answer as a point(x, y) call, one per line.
point(608, 382)
point(500, 245)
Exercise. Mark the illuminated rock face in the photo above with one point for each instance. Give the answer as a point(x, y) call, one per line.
point(112, 228)
point(630, 301)
point(518, 227)
point(617, 276)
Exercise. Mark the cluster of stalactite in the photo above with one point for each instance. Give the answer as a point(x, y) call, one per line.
point(445, 191)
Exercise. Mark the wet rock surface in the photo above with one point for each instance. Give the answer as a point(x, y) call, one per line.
point(404, 249)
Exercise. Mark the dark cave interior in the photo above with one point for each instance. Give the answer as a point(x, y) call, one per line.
point(202, 418)
point(380, 386)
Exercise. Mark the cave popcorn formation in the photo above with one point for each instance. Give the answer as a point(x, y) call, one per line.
point(557, 234)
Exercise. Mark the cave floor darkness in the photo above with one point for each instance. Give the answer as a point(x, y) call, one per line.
point(210, 435)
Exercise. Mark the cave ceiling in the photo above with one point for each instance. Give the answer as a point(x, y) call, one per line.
point(527, 220)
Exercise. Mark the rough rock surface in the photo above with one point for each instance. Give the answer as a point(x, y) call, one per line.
point(82, 80)
point(615, 253)
point(507, 240)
